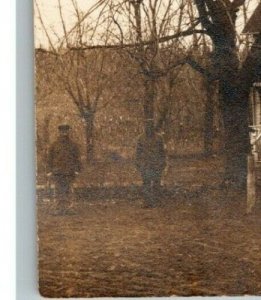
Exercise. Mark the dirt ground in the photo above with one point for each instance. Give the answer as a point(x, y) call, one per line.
point(197, 241)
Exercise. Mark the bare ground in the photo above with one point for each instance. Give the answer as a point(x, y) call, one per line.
point(197, 241)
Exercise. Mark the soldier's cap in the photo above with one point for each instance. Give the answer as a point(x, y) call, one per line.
point(64, 127)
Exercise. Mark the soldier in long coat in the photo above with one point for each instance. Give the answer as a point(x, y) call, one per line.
point(150, 161)
point(63, 161)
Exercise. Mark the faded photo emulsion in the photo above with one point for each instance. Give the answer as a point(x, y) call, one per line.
point(148, 126)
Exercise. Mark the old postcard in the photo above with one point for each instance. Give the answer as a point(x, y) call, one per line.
point(148, 116)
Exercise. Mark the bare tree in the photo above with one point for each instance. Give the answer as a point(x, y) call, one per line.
point(46, 82)
point(145, 29)
point(139, 28)
point(84, 75)
point(219, 20)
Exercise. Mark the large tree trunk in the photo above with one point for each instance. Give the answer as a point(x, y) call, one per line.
point(234, 107)
point(234, 91)
point(218, 18)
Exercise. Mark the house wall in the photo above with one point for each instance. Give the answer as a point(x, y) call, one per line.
point(257, 101)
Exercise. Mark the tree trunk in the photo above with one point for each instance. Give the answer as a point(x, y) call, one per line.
point(209, 118)
point(234, 105)
point(234, 91)
point(89, 130)
point(234, 82)
point(148, 105)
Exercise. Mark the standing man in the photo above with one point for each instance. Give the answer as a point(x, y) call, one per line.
point(63, 163)
point(150, 161)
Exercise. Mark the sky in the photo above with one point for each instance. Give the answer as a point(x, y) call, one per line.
point(51, 18)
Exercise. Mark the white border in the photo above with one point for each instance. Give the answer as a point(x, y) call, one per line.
point(7, 153)
point(26, 265)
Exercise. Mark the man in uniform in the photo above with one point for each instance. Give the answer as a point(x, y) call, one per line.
point(63, 163)
point(150, 161)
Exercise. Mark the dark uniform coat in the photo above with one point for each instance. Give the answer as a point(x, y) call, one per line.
point(150, 154)
point(64, 158)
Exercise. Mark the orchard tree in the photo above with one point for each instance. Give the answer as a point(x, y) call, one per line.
point(144, 30)
point(84, 75)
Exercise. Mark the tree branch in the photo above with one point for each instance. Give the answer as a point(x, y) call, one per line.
point(144, 43)
point(197, 67)
point(204, 16)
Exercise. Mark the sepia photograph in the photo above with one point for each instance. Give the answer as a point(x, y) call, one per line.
point(148, 147)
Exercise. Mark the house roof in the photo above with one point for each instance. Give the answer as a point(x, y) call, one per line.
point(254, 23)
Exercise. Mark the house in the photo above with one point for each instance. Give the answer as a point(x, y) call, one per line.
point(253, 25)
